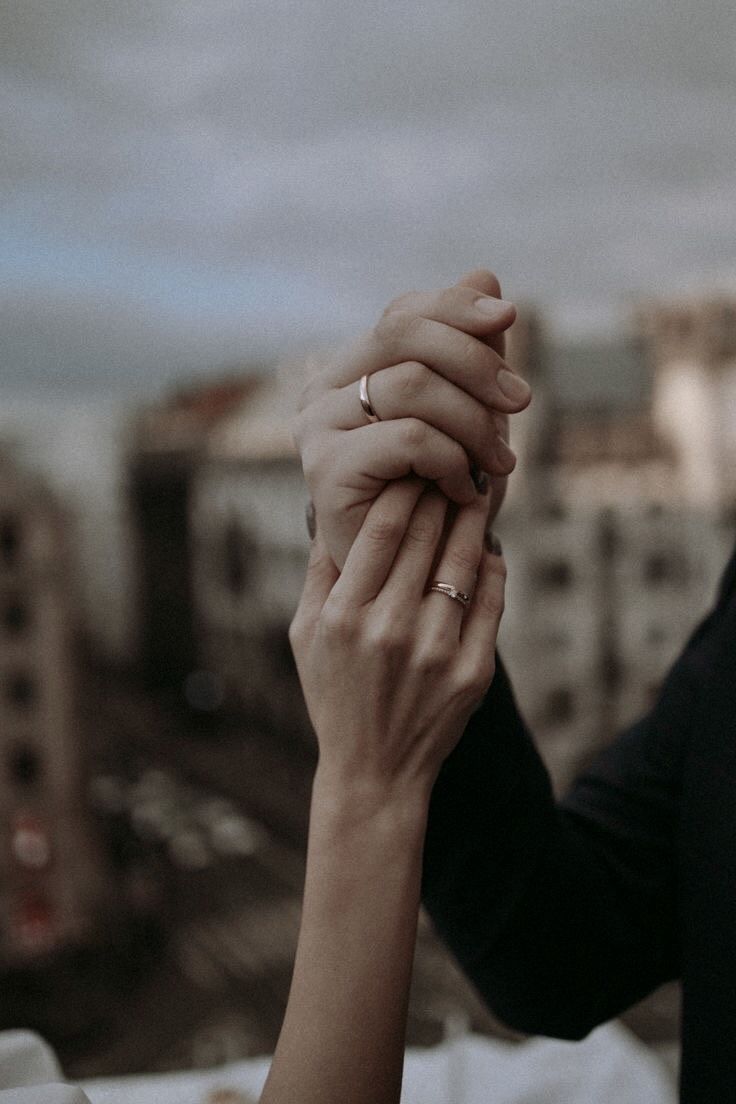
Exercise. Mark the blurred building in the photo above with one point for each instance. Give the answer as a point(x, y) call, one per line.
point(619, 529)
point(250, 551)
point(52, 883)
point(617, 524)
point(168, 442)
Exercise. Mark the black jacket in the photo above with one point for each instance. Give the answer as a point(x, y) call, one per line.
point(563, 915)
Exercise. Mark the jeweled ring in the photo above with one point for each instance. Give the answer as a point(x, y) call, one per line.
point(365, 401)
point(452, 592)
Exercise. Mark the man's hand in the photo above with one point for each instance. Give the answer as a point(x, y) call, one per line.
point(442, 391)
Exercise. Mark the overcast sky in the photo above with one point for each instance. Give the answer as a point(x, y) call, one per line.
point(187, 185)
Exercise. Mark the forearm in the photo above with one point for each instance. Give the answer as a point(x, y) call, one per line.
point(344, 1029)
point(560, 915)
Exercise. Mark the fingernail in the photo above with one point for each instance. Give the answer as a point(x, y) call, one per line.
point(493, 544)
point(480, 479)
point(513, 387)
point(311, 519)
point(504, 454)
point(493, 307)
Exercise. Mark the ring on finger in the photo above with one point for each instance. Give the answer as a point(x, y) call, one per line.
point(451, 592)
point(365, 401)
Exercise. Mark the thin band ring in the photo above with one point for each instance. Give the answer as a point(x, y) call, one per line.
point(452, 592)
point(365, 401)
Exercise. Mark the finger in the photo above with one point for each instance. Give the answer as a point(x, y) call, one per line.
point(407, 581)
point(375, 547)
point(480, 279)
point(390, 450)
point(464, 307)
point(462, 359)
point(457, 565)
point(480, 628)
point(320, 579)
point(413, 390)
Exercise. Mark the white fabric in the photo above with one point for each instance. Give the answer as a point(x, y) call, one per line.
point(609, 1067)
point(44, 1094)
point(25, 1059)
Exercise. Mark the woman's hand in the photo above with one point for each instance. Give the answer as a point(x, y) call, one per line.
point(390, 671)
point(443, 392)
point(390, 674)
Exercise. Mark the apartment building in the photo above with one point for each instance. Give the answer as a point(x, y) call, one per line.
point(51, 875)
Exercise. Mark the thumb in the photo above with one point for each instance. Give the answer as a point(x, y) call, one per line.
point(481, 279)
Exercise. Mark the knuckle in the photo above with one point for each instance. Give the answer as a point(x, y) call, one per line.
point(435, 658)
point(414, 379)
point(424, 530)
point(383, 529)
point(464, 557)
point(475, 679)
point(386, 636)
point(415, 433)
point(471, 351)
point(400, 302)
point(394, 328)
point(337, 621)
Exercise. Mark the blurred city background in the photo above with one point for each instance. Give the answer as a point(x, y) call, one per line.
point(194, 199)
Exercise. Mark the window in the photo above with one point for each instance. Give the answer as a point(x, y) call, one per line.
point(14, 616)
point(24, 766)
point(20, 690)
point(609, 541)
point(554, 575)
point(611, 671)
point(560, 706)
point(9, 539)
point(661, 568)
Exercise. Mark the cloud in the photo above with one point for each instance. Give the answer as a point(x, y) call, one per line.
point(257, 171)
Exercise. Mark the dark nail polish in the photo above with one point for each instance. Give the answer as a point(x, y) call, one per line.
point(480, 479)
point(311, 519)
point(493, 544)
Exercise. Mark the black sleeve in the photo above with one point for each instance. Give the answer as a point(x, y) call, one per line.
point(562, 915)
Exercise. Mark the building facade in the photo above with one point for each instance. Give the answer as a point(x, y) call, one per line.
point(51, 875)
point(618, 532)
point(250, 551)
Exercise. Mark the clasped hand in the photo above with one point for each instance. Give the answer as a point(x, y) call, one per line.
point(391, 671)
point(443, 392)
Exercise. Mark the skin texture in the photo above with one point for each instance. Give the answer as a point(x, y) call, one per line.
point(381, 741)
point(435, 362)
point(396, 507)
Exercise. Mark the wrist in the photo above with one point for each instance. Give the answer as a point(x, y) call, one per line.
point(391, 808)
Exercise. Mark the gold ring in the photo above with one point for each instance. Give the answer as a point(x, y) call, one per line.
point(365, 401)
point(452, 592)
